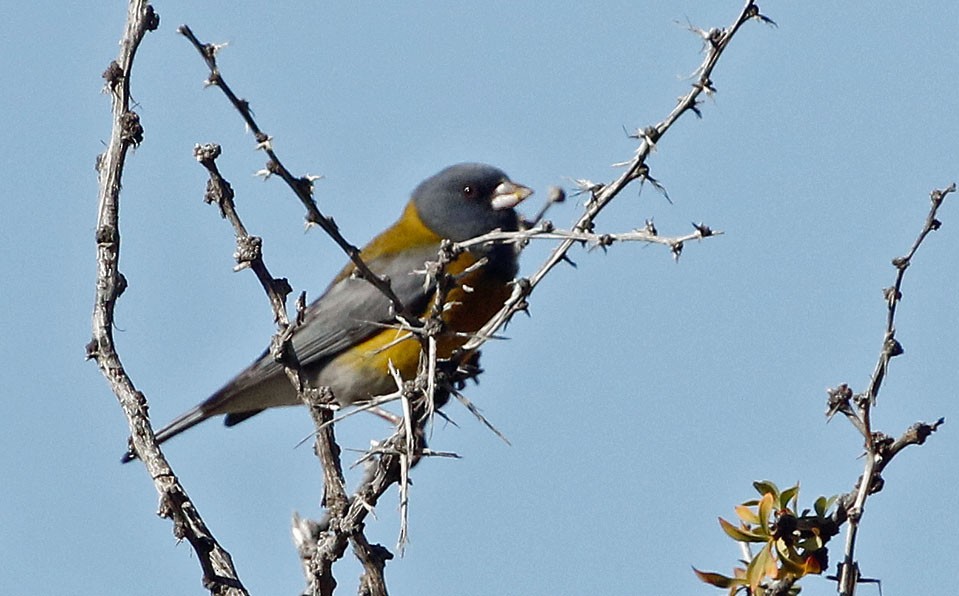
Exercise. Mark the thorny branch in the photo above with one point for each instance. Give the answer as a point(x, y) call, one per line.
point(317, 562)
point(880, 448)
point(303, 187)
point(219, 575)
point(249, 253)
point(600, 195)
point(545, 231)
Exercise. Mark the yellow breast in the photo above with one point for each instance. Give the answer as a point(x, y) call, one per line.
point(362, 372)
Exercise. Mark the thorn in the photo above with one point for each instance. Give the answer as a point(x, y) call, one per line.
point(703, 230)
point(264, 142)
point(677, 250)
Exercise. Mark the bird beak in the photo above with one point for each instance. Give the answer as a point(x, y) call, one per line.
point(508, 195)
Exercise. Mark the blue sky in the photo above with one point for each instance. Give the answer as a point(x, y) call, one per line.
point(642, 397)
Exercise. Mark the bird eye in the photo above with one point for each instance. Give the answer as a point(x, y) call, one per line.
point(469, 191)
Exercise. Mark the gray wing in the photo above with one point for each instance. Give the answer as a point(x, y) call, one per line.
point(350, 311)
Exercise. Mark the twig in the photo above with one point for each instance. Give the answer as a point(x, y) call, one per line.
point(249, 253)
point(880, 449)
point(318, 562)
point(219, 574)
point(893, 294)
point(635, 169)
point(545, 231)
point(303, 187)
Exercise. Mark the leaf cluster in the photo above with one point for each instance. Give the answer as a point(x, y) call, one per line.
point(792, 543)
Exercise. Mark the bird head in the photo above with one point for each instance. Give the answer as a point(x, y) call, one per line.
point(467, 200)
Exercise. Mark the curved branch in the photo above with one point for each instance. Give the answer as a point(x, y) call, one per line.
point(219, 575)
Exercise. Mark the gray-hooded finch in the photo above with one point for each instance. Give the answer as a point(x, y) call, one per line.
point(346, 340)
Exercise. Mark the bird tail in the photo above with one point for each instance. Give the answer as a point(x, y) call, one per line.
point(260, 386)
point(183, 422)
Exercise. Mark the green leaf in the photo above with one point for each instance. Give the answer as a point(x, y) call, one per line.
point(823, 504)
point(740, 534)
point(765, 511)
point(748, 515)
point(762, 566)
point(717, 579)
point(790, 494)
point(766, 486)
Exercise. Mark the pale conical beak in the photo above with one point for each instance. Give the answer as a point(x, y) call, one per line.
point(508, 195)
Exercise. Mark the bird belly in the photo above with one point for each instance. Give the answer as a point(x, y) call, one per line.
point(362, 372)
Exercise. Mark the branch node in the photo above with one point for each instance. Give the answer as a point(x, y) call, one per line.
point(131, 131)
point(151, 20)
point(677, 250)
point(207, 153)
point(704, 230)
point(248, 249)
point(892, 347)
point(839, 401)
point(112, 75)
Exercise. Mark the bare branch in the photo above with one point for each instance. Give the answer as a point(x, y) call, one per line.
point(880, 449)
point(219, 575)
point(891, 347)
point(545, 231)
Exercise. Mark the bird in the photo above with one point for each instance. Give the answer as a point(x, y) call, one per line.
point(347, 338)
